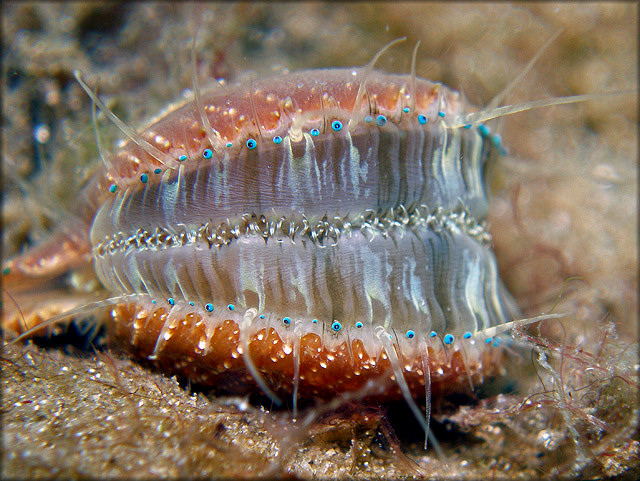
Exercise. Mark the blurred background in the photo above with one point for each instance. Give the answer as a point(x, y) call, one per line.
point(564, 199)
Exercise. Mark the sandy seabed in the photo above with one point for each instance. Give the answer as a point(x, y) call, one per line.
point(564, 221)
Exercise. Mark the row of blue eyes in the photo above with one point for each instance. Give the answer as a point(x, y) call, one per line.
point(337, 126)
point(337, 326)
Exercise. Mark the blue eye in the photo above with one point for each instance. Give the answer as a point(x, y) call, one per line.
point(157, 171)
point(467, 335)
point(171, 301)
point(251, 144)
point(229, 144)
point(358, 324)
point(113, 188)
point(410, 334)
point(207, 154)
point(448, 339)
point(286, 321)
point(381, 120)
point(336, 125)
point(315, 132)
point(144, 178)
point(406, 110)
point(336, 326)
point(277, 139)
point(183, 157)
point(231, 307)
point(208, 307)
point(422, 119)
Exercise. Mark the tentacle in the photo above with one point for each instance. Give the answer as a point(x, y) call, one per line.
point(356, 113)
point(128, 131)
point(212, 135)
point(80, 310)
point(507, 326)
point(426, 367)
point(245, 325)
point(412, 93)
point(254, 112)
point(389, 347)
point(297, 334)
point(103, 157)
point(497, 100)
point(484, 115)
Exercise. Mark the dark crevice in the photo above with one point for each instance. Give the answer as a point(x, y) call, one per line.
point(101, 22)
